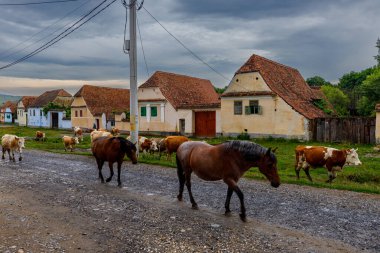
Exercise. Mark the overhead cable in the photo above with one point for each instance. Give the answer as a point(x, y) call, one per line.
point(44, 2)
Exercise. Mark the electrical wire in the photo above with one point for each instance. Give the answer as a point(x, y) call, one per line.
point(32, 36)
point(61, 36)
point(44, 2)
point(184, 46)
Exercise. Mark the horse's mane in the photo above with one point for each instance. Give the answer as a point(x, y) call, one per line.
point(249, 150)
point(124, 143)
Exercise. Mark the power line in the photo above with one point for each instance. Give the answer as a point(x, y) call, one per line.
point(61, 36)
point(184, 46)
point(32, 36)
point(44, 2)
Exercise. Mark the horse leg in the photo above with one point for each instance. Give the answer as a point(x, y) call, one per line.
point(232, 184)
point(228, 199)
point(181, 179)
point(100, 166)
point(188, 185)
point(119, 172)
point(110, 164)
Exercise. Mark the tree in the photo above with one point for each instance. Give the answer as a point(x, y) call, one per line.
point(354, 79)
point(337, 98)
point(220, 90)
point(316, 81)
point(371, 94)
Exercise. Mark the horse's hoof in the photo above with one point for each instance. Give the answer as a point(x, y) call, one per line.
point(119, 185)
point(20, 158)
point(179, 198)
point(228, 213)
point(195, 207)
point(108, 180)
point(243, 217)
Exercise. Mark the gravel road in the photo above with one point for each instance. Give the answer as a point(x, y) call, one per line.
point(55, 203)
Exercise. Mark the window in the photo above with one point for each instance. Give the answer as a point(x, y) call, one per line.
point(153, 111)
point(253, 108)
point(76, 114)
point(80, 113)
point(41, 113)
point(8, 116)
point(143, 111)
point(238, 107)
point(112, 123)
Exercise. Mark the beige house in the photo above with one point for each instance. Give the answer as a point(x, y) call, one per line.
point(266, 98)
point(377, 132)
point(171, 103)
point(22, 109)
point(100, 107)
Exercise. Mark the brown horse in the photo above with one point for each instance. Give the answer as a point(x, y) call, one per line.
point(228, 162)
point(112, 150)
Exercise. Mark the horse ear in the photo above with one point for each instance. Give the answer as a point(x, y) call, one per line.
point(274, 150)
point(135, 143)
point(268, 152)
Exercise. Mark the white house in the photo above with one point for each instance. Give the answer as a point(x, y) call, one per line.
point(55, 102)
point(22, 109)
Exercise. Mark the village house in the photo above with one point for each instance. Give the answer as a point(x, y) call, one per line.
point(100, 107)
point(8, 112)
point(55, 103)
point(171, 103)
point(266, 98)
point(22, 109)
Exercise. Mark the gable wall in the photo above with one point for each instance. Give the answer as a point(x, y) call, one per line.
point(87, 120)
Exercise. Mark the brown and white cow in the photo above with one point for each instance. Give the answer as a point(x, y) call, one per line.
point(40, 136)
point(172, 143)
point(78, 132)
point(12, 143)
point(70, 142)
point(146, 144)
point(331, 158)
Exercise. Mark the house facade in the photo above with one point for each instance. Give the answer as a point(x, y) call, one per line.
point(100, 107)
point(266, 98)
point(8, 112)
point(55, 117)
point(22, 109)
point(171, 103)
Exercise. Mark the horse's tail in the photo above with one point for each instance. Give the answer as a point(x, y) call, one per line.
point(181, 177)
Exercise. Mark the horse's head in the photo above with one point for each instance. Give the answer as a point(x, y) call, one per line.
point(268, 166)
point(132, 152)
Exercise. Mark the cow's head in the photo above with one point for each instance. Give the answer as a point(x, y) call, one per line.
point(76, 140)
point(153, 146)
point(352, 157)
point(21, 142)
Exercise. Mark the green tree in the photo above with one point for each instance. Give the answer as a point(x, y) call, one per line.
point(354, 79)
point(371, 94)
point(337, 98)
point(316, 81)
point(220, 90)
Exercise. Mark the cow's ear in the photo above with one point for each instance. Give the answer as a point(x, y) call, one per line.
point(16, 138)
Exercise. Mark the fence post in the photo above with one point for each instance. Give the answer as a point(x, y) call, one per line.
point(377, 131)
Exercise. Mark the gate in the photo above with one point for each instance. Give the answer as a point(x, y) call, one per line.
point(205, 124)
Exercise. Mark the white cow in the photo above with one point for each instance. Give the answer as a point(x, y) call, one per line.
point(10, 143)
point(96, 134)
point(78, 132)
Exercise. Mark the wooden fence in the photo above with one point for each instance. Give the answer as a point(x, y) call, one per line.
point(352, 130)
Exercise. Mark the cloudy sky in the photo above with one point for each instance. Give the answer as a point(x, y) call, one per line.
point(319, 37)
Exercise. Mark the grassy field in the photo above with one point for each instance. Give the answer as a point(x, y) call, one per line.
point(364, 178)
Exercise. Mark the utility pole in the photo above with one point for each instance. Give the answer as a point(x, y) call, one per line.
point(134, 112)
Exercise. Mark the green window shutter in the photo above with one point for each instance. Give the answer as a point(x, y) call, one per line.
point(153, 111)
point(143, 111)
point(247, 110)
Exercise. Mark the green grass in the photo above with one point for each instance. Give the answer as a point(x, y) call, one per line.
point(364, 178)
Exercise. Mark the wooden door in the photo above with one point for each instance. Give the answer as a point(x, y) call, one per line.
point(54, 120)
point(205, 124)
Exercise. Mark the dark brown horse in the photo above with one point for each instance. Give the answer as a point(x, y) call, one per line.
point(228, 162)
point(112, 150)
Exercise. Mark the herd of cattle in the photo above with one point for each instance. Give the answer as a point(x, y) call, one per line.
point(306, 156)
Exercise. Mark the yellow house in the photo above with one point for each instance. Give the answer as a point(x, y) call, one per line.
point(100, 107)
point(266, 98)
point(22, 109)
point(377, 132)
point(172, 103)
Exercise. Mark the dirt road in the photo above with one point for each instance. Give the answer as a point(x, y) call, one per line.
point(55, 203)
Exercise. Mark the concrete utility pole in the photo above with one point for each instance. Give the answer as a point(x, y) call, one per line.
point(134, 112)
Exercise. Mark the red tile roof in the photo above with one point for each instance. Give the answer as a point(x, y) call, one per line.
point(106, 100)
point(287, 83)
point(9, 104)
point(58, 96)
point(27, 100)
point(184, 92)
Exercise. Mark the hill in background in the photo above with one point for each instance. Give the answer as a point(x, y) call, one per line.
point(4, 98)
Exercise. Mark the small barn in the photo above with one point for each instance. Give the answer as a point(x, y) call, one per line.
point(8, 112)
point(172, 103)
point(268, 99)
